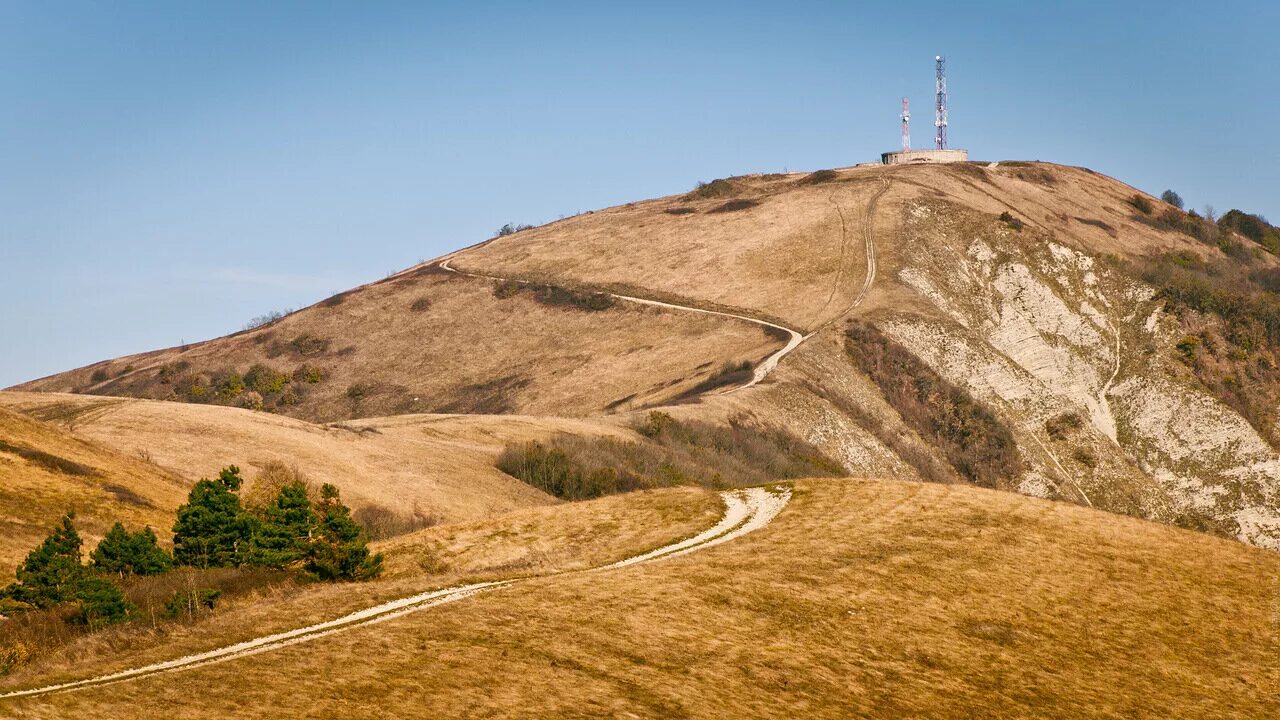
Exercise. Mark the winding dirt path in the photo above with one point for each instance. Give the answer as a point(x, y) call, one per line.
point(794, 337)
point(746, 510)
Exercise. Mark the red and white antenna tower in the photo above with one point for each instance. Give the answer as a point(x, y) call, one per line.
point(940, 109)
point(906, 126)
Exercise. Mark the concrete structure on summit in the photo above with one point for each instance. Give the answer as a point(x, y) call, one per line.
point(940, 152)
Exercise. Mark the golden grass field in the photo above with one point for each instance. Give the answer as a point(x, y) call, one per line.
point(864, 598)
point(108, 486)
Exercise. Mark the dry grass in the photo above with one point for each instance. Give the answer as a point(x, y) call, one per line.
point(405, 357)
point(45, 471)
point(864, 599)
point(535, 541)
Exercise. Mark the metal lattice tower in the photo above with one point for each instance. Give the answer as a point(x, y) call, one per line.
point(940, 108)
point(906, 126)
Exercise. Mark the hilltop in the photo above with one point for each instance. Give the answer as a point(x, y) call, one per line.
point(1088, 333)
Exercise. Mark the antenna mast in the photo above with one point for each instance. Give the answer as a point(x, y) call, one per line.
point(906, 126)
point(940, 109)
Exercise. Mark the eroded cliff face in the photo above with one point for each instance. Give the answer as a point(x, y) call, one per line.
point(1042, 331)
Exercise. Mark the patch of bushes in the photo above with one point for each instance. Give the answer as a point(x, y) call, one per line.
point(680, 211)
point(1010, 221)
point(49, 461)
point(735, 205)
point(673, 452)
point(265, 380)
point(819, 177)
point(1253, 227)
point(266, 318)
point(99, 375)
point(972, 439)
point(1060, 427)
point(511, 229)
point(1231, 322)
point(1141, 204)
point(382, 523)
point(309, 374)
point(1033, 174)
point(555, 296)
point(719, 188)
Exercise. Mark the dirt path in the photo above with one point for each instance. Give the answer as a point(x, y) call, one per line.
point(761, 371)
point(794, 339)
point(746, 510)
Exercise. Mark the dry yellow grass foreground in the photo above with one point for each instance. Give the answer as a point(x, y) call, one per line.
point(863, 599)
point(45, 471)
point(535, 541)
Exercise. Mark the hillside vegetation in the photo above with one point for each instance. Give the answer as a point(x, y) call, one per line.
point(45, 471)
point(866, 599)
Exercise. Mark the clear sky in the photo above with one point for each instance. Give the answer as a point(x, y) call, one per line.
point(169, 170)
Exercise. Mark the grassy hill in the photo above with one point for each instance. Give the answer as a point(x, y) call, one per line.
point(45, 471)
point(864, 598)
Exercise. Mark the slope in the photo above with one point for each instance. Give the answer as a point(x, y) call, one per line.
point(45, 472)
point(864, 598)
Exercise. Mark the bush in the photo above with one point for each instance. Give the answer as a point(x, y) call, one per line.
point(191, 602)
point(1141, 204)
point(382, 523)
point(309, 374)
point(720, 188)
point(421, 304)
point(1010, 221)
point(819, 177)
point(673, 453)
point(1172, 198)
point(735, 205)
point(265, 380)
point(510, 229)
point(1061, 426)
point(266, 318)
point(99, 375)
point(970, 436)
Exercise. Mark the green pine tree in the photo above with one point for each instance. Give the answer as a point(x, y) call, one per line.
point(49, 575)
point(130, 554)
point(211, 528)
point(284, 532)
point(98, 602)
point(340, 548)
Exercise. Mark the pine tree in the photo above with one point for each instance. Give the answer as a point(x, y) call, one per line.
point(50, 573)
point(340, 548)
point(211, 527)
point(130, 554)
point(284, 533)
point(98, 601)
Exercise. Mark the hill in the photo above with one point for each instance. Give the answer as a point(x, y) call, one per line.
point(865, 598)
point(1070, 337)
point(45, 471)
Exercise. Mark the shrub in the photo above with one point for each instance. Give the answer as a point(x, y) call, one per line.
point(1010, 221)
point(970, 436)
point(190, 602)
point(99, 375)
point(309, 374)
point(735, 205)
point(265, 380)
point(680, 211)
point(720, 188)
point(382, 523)
point(50, 573)
point(510, 229)
point(507, 289)
point(421, 304)
point(266, 318)
point(820, 176)
point(358, 391)
point(307, 345)
point(1172, 198)
point(1061, 426)
point(672, 453)
point(230, 386)
point(1141, 204)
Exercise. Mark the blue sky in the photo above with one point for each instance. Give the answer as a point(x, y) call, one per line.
point(169, 170)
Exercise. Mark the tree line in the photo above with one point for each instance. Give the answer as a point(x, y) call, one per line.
point(315, 536)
